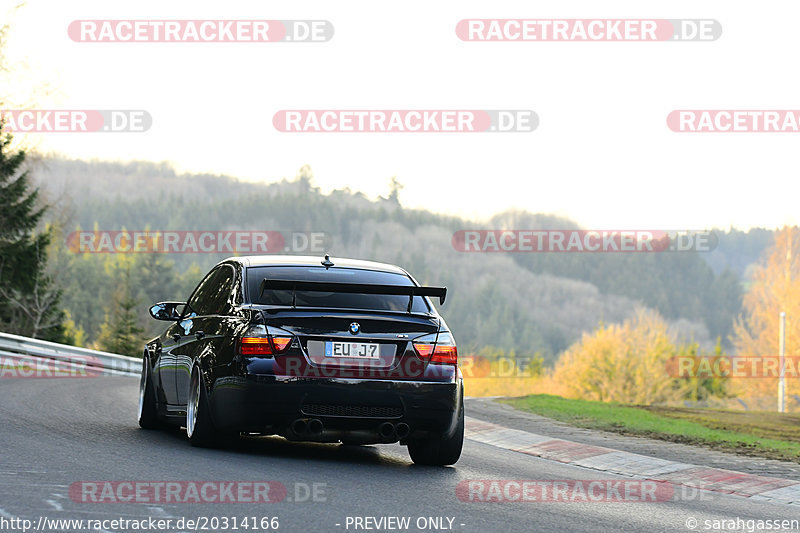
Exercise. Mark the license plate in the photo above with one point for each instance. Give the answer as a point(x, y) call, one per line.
point(352, 350)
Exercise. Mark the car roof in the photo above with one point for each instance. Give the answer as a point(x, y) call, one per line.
point(313, 260)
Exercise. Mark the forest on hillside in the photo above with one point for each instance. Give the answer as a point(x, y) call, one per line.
point(517, 303)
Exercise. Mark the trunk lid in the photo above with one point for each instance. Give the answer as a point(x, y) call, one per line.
point(357, 344)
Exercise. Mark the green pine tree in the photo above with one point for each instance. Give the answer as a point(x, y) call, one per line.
point(121, 332)
point(29, 296)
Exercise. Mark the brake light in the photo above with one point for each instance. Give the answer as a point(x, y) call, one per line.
point(281, 343)
point(257, 341)
point(424, 350)
point(445, 355)
point(255, 346)
point(262, 346)
point(440, 350)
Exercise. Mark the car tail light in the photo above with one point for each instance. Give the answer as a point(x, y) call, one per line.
point(440, 349)
point(257, 340)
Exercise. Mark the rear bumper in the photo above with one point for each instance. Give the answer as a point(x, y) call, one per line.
point(260, 402)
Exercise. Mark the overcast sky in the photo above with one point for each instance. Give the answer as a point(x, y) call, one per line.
point(602, 153)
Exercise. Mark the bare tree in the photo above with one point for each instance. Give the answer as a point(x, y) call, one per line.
point(36, 312)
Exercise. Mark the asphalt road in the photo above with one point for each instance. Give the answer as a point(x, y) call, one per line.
point(58, 432)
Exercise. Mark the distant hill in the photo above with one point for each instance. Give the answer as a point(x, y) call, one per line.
point(522, 302)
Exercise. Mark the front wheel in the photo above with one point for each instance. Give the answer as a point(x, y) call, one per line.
point(439, 452)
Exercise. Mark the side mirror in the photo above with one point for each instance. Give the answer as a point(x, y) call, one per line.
point(166, 311)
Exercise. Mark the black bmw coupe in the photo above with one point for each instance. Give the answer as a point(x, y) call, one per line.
point(331, 350)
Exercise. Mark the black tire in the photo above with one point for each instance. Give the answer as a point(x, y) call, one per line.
point(439, 452)
point(148, 410)
point(199, 427)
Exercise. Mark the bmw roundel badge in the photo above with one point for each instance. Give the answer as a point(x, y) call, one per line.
point(355, 327)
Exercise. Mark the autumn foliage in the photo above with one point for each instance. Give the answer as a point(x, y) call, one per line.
point(774, 287)
point(625, 363)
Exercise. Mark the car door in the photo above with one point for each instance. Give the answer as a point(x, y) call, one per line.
point(210, 304)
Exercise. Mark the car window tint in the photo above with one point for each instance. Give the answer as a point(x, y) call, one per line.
point(380, 302)
point(213, 294)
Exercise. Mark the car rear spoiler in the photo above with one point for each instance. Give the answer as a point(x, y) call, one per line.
point(352, 288)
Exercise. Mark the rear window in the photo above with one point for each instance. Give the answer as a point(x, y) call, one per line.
point(379, 302)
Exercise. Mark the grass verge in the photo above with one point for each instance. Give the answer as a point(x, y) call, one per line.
point(760, 434)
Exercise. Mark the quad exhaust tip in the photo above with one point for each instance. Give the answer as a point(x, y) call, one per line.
point(315, 426)
point(402, 430)
point(386, 430)
point(299, 426)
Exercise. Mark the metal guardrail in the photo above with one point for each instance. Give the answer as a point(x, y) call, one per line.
point(38, 357)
